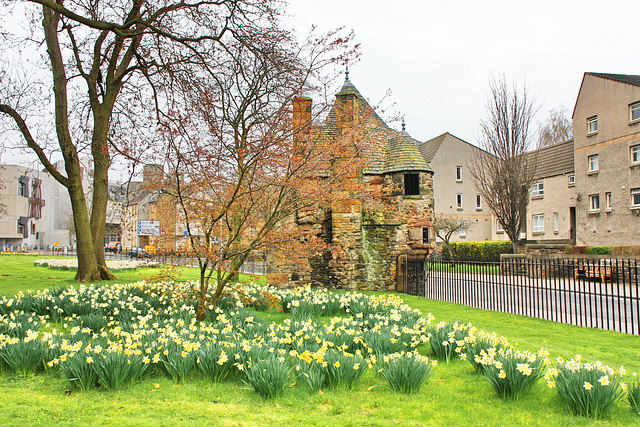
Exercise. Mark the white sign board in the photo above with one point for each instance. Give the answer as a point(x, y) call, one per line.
point(148, 228)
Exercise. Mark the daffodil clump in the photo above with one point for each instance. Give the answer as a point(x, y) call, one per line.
point(406, 372)
point(446, 337)
point(110, 337)
point(511, 372)
point(477, 341)
point(633, 394)
point(590, 389)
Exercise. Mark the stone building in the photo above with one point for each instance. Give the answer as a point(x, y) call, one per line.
point(371, 234)
point(606, 121)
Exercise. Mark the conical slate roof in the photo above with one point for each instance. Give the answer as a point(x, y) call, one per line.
point(386, 150)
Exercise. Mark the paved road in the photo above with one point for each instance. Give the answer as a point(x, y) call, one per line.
point(609, 306)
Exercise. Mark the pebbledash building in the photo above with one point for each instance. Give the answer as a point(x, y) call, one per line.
point(374, 238)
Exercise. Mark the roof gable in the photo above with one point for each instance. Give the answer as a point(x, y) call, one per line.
point(629, 79)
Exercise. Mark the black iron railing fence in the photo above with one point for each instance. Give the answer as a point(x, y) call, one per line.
point(591, 292)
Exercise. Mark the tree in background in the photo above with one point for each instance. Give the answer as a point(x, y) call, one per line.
point(557, 128)
point(103, 64)
point(238, 167)
point(502, 173)
point(446, 225)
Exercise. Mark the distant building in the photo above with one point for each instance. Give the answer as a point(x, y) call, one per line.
point(37, 209)
point(551, 213)
point(453, 186)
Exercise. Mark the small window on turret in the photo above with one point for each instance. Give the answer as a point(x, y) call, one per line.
point(411, 184)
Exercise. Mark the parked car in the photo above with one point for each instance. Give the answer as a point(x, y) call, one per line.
point(113, 247)
point(138, 253)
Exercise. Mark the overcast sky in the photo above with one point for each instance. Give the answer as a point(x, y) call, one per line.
point(437, 57)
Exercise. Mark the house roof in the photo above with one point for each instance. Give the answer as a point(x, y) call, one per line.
point(388, 150)
point(622, 78)
point(429, 148)
point(629, 79)
point(554, 160)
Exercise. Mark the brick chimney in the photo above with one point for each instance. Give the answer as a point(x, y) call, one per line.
point(301, 114)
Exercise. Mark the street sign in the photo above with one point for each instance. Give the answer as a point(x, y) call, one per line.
point(148, 228)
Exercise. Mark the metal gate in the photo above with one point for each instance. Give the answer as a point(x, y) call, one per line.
point(411, 274)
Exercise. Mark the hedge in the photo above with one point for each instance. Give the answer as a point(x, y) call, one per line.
point(480, 251)
point(602, 250)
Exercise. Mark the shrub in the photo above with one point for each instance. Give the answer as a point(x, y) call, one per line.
point(270, 376)
point(589, 389)
point(480, 251)
point(406, 372)
point(511, 372)
point(598, 250)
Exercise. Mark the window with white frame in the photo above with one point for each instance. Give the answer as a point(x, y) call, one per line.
point(459, 201)
point(607, 201)
point(462, 232)
point(537, 189)
point(592, 125)
point(634, 154)
point(635, 197)
point(593, 163)
point(499, 228)
point(572, 180)
point(459, 173)
point(594, 202)
point(478, 202)
point(634, 111)
point(556, 222)
point(538, 223)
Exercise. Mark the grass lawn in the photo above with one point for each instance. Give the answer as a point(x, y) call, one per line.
point(454, 395)
point(18, 273)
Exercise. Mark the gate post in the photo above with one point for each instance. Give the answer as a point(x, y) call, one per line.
point(401, 274)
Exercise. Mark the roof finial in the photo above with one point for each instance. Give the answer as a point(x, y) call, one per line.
point(404, 127)
point(346, 73)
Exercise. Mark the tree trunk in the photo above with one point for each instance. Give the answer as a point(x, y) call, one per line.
point(87, 264)
point(101, 162)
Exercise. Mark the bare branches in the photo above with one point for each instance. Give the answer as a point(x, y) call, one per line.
point(502, 171)
point(557, 128)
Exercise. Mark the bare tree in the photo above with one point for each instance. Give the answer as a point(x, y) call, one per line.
point(445, 225)
point(104, 61)
point(557, 128)
point(502, 173)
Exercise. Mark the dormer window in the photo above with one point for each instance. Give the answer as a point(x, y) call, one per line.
point(411, 184)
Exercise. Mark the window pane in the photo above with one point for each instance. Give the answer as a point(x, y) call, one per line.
point(635, 154)
point(411, 184)
point(634, 111)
